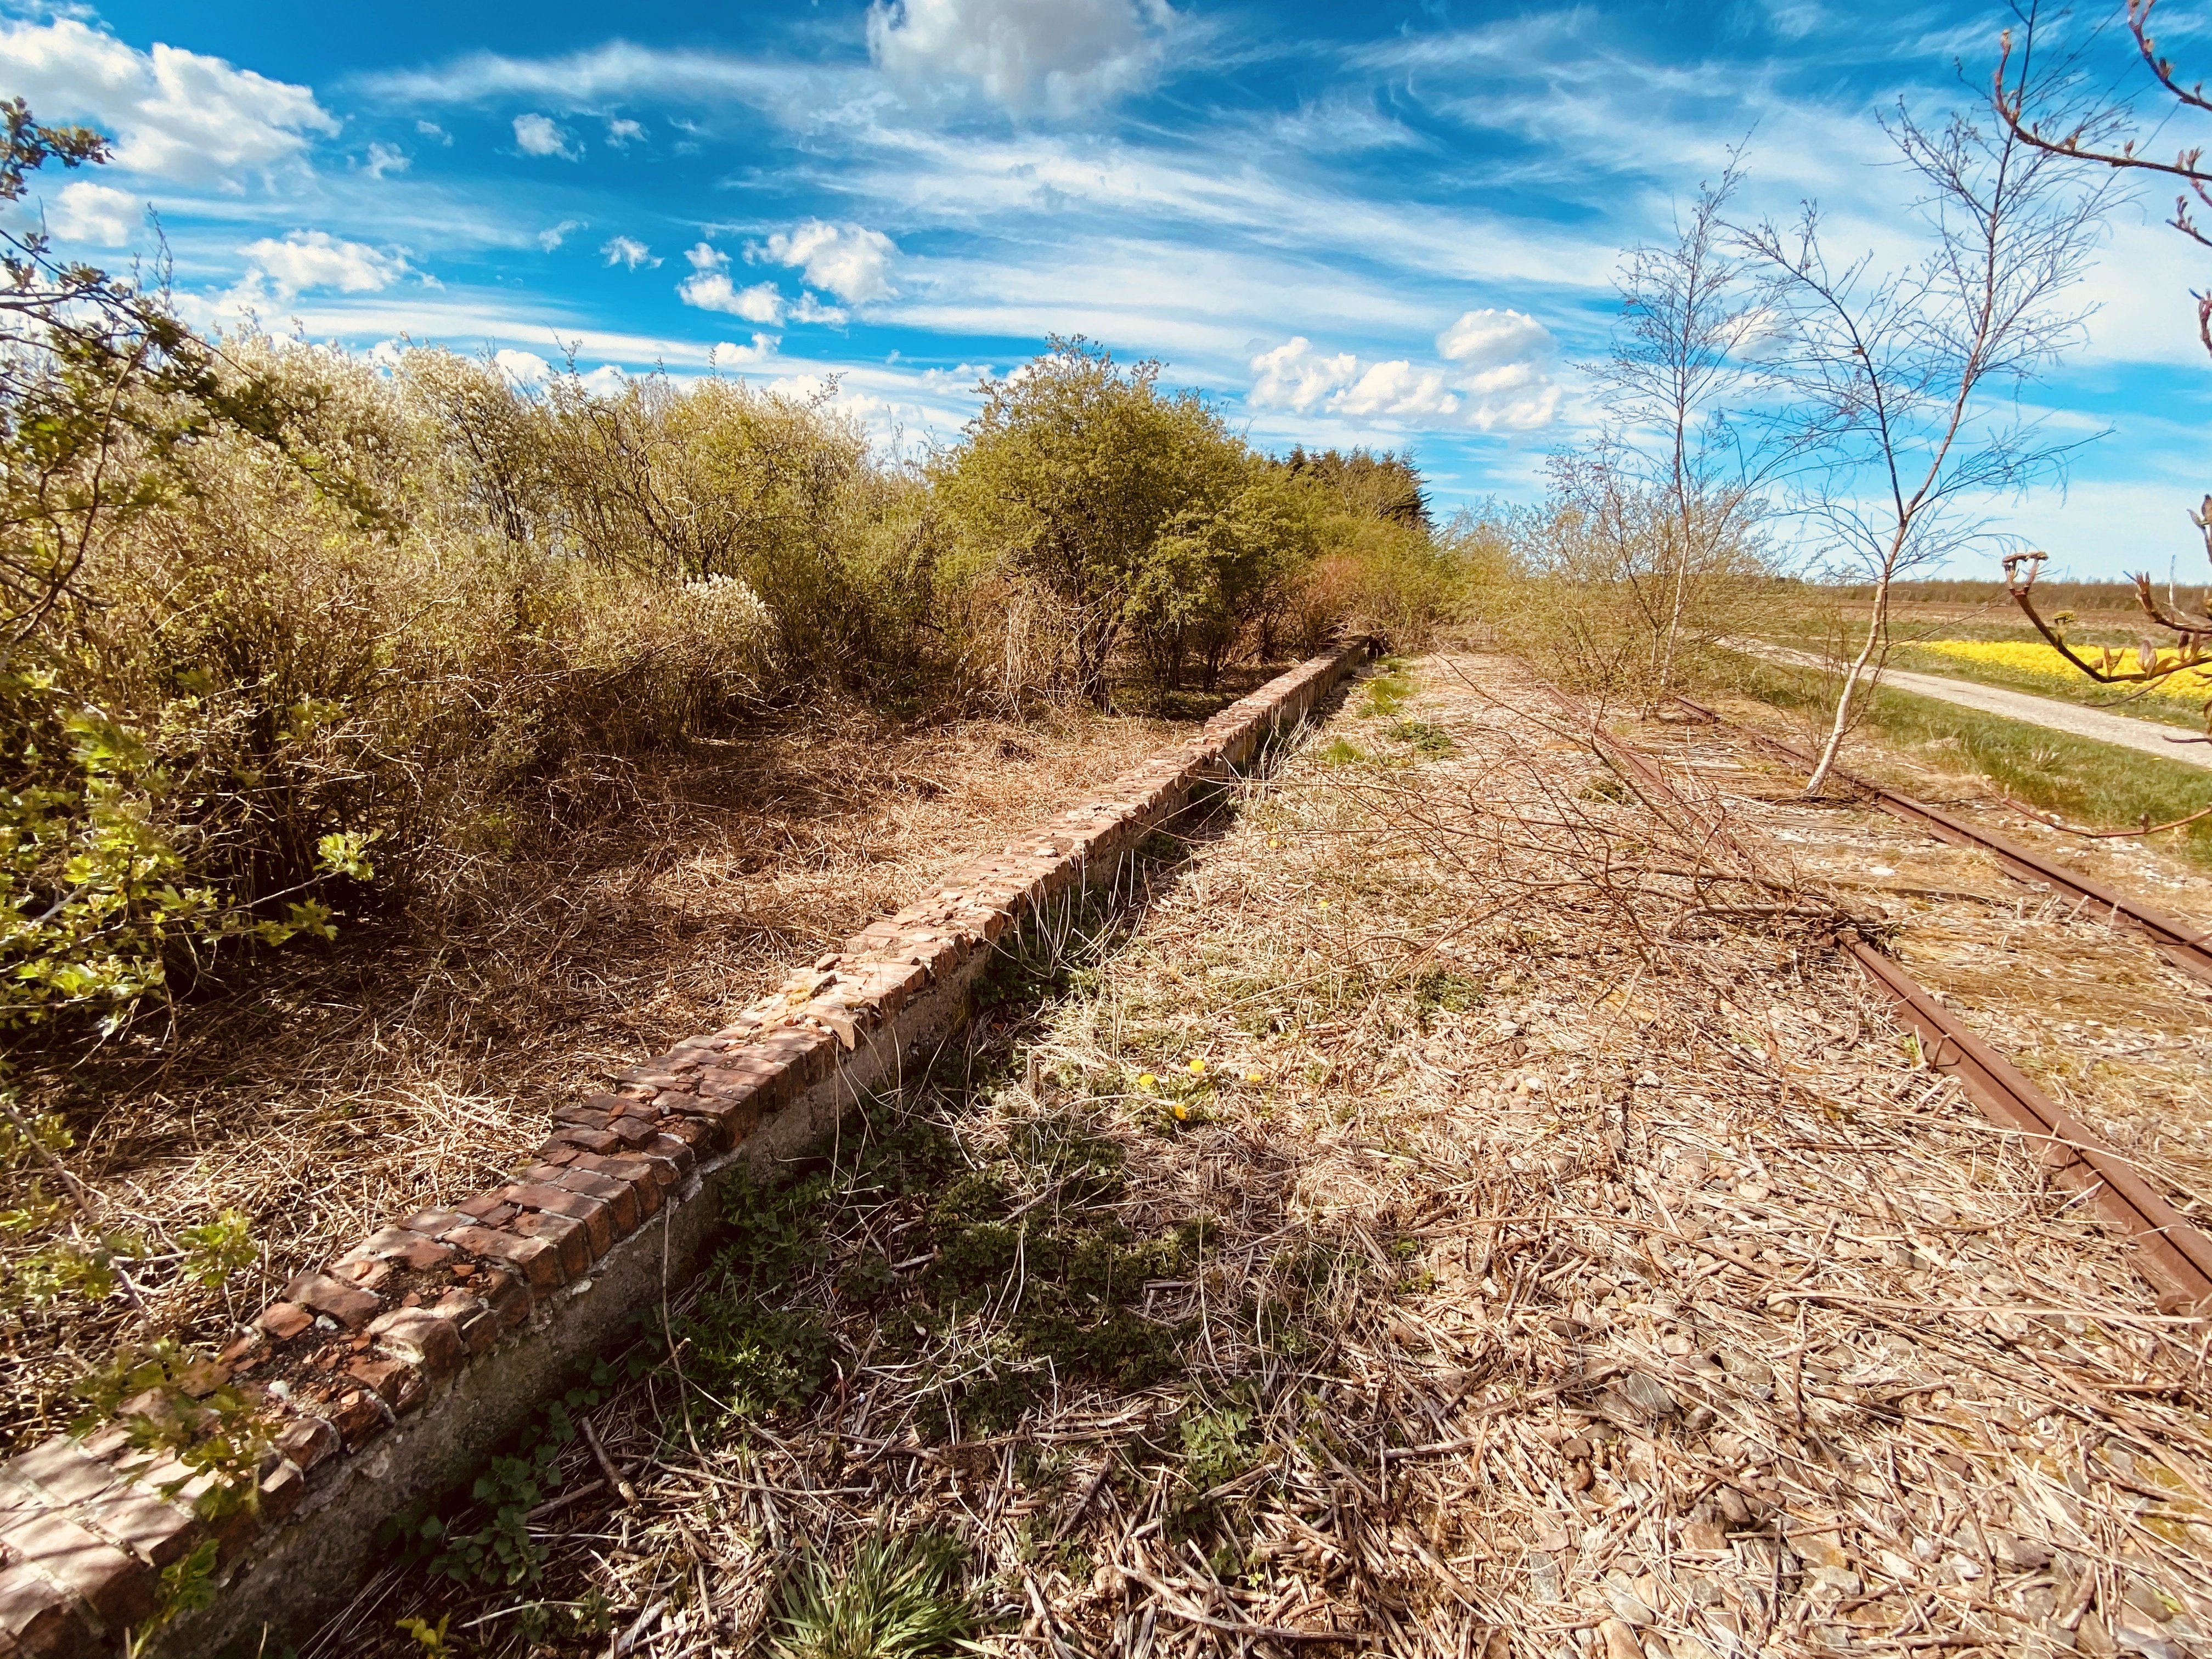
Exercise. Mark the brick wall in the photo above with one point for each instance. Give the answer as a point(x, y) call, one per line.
point(390, 1373)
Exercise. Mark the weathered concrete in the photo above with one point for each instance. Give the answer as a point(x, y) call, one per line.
point(389, 1377)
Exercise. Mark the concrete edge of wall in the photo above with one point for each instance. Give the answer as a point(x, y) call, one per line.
point(390, 1375)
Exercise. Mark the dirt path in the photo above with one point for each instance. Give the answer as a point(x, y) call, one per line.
point(2146, 736)
point(1455, 1208)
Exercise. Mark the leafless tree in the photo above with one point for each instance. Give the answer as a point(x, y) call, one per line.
point(2041, 112)
point(1675, 378)
point(1908, 378)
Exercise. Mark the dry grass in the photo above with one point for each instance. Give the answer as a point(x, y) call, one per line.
point(331, 1091)
point(2105, 1026)
point(1585, 1268)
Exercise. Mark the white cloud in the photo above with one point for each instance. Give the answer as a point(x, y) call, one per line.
point(726, 356)
point(709, 287)
point(523, 367)
point(624, 131)
point(383, 159)
point(627, 252)
point(86, 212)
point(1488, 339)
point(1397, 390)
point(540, 135)
point(810, 309)
point(554, 236)
point(853, 263)
point(1054, 56)
point(1497, 381)
point(176, 114)
point(432, 131)
point(315, 258)
point(1294, 377)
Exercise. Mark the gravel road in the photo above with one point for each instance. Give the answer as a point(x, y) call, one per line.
point(2149, 736)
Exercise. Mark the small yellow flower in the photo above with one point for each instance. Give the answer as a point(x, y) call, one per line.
point(1324, 904)
point(1254, 1077)
point(1274, 840)
point(1181, 1110)
point(1198, 1068)
point(1148, 1081)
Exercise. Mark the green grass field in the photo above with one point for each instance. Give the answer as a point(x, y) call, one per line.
point(2084, 780)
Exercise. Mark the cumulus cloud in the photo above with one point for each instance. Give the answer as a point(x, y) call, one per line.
point(853, 263)
point(175, 114)
point(1296, 377)
point(622, 131)
point(1057, 57)
point(627, 252)
point(1492, 379)
point(1487, 339)
point(523, 367)
point(810, 309)
point(540, 135)
point(727, 356)
point(709, 287)
point(86, 212)
point(383, 159)
point(315, 258)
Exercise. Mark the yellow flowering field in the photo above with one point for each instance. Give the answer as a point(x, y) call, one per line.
point(2037, 658)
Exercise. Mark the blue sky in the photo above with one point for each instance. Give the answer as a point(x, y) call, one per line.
point(1391, 224)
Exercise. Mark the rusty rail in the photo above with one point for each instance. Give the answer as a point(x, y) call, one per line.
point(2185, 947)
point(2173, 1254)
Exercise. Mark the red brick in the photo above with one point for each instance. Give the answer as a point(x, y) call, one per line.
point(282, 1489)
point(309, 1442)
point(590, 1140)
point(37, 1619)
point(137, 1518)
point(634, 1174)
point(582, 1117)
point(703, 1134)
point(592, 1212)
point(565, 1233)
point(507, 1297)
point(350, 1305)
point(632, 1131)
point(63, 1470)
point(358, 1417)
point(482, 1205)
point(538, 1261)
point(476, 1326)
point(366, 1274)
point(676, 1151)
point(120, 1589)
point(620, 1201)
point(417, 1337)
point(433, 1224)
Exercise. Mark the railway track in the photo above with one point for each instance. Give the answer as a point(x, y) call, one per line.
point(2186, 947)
point(2174, 1254)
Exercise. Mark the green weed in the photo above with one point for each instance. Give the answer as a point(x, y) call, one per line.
point(1423, 738)
point(897, 1598)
